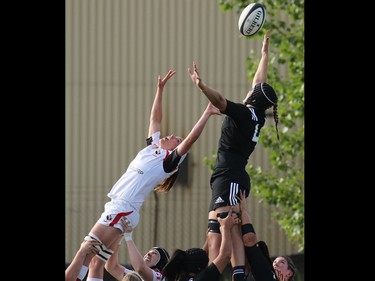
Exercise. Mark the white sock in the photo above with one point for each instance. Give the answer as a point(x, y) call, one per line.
point(93, 279)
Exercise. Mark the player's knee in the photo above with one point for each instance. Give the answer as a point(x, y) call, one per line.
point(104, 252)
point(249, 239)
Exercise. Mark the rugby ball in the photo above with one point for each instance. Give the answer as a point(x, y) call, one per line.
point(251, 19)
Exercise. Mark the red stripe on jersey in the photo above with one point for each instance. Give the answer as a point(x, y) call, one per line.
point(118, 217)
point(166, 156)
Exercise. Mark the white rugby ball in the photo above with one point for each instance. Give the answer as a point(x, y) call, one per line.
point(251, 19)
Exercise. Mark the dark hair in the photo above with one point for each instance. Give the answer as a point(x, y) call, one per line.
point(263, 97)
point(264, 249)
point(291, 266)
point(196, 260)
point(164, 257)
point(193, 260)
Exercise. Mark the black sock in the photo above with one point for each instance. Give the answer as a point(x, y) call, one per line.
point(238, 273)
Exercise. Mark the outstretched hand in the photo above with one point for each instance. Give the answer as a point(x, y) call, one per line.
point(126, 225)
point(88, 246)
point(266, 41)
point(162, 82)
point(242, 199)
point(194, 74)
point(229, 220)
point(213, 110)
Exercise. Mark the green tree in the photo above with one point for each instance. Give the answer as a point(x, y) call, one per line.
point(282, 186)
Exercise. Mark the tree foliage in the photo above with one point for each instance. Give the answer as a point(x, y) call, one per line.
point(282, 186)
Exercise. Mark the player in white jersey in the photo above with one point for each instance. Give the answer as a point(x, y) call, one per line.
point(154, 168)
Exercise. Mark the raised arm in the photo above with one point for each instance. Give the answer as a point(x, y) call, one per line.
point(261, 73)
point(216, 98)
point(87, 248)
point(248, 233)
point(113, 265)
point(135, 256)
point(157, 109)
point(226, 224)
point(197, 130)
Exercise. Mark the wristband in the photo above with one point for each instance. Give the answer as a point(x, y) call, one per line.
point(247, 228)
point(128, 236)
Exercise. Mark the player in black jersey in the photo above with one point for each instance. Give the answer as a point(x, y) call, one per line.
point(239, 135)
point(193, 264)
point(261, 265)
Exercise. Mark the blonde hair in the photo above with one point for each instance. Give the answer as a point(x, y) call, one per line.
point(167, 184)
point(132, 276)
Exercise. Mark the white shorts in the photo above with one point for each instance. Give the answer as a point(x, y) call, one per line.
point(115, 210)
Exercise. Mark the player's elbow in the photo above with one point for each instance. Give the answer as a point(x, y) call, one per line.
point(249, 239)
point(220, 103)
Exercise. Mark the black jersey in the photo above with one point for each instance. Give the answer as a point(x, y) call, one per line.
point(260, 263)
point(210, 273)
point(239, 135)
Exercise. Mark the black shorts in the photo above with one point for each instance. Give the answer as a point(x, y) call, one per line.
point(226, 190)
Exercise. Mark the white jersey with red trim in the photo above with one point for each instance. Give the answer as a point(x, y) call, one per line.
point(144, 173)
